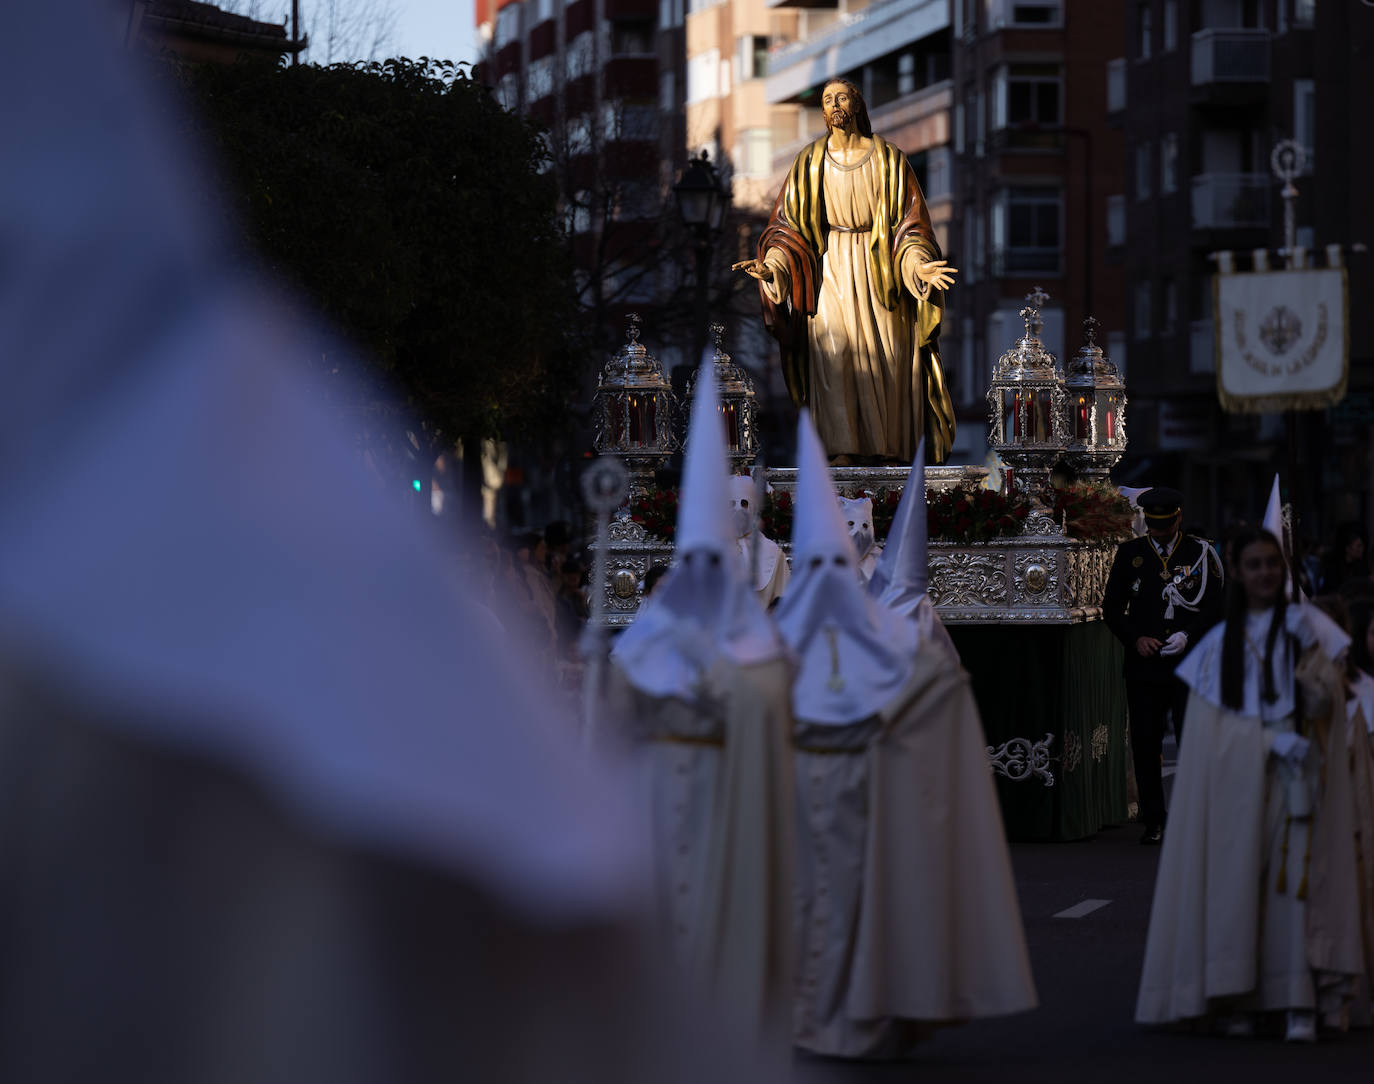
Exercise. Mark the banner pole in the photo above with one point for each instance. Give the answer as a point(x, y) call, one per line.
point(1287, 161)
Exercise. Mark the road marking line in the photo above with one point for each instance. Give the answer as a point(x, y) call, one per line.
point(1087, 907)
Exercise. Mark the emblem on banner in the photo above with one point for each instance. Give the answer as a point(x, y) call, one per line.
point(1281, 329)
point(1282, 339)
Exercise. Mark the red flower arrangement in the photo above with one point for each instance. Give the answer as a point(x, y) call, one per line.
point(955, 515)
point(657, 513)
point(974, 514)
point(1097, 513)
point(777, 516)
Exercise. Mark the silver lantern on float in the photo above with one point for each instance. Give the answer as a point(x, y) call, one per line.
point(635, 412)
point(1095, 399)
point(738, 407)
point(1026, 407)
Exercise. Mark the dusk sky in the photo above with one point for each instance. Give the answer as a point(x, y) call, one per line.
point(437, 28)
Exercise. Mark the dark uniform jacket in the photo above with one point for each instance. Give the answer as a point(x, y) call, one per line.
point(1136, 600)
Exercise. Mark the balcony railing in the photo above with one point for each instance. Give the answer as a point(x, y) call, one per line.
point(1116, 85)
point(1230, 56)
point(855, 39)
point(1231, 201)
point(1116, 220)
point(1202, 347)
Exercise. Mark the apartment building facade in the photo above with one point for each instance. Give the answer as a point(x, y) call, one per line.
point(604, 77)
point(1035, 163)
point(1202, 92)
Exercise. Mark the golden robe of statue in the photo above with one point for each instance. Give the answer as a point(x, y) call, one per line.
point(857, 325)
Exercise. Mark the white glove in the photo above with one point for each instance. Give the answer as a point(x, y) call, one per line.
point(1174, 644)
point(1290, 746)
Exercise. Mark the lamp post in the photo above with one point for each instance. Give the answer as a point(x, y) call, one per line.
point(702, 205)
point(1287, 161)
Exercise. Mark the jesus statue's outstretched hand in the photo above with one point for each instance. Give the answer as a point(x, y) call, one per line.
point(754, 268)
point(937, 274)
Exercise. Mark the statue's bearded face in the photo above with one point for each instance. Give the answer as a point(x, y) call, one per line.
point(840, 106)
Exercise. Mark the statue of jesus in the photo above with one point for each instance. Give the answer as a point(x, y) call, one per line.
point(853, 282)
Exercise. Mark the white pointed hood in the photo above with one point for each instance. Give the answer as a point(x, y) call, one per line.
point(704, 609)
point(899, 581)
point(200, 563)
point(858, 516)
point(1273, 523)
point(855, 655)
point(703, 510)
point(1273, 512)
point(754, 545)
point(744, 516)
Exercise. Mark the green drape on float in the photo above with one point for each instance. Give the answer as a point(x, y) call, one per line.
point(1064, 681)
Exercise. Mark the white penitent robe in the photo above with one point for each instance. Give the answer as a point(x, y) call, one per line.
point(1360, 709)
point(868, 563)
point(771, 576)
point(1255, 900)
point(717, 790)
point(901, 928)
point(198, 929)
point(863, 358)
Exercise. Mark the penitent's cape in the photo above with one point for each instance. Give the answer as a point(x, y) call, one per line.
point(798, 228)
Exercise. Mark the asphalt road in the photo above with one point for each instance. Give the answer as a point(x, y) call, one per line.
point(1086, 970)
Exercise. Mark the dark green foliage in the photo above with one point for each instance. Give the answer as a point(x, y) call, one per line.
point(419, 216)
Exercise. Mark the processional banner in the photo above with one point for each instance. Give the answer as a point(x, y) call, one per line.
point(1282, 340)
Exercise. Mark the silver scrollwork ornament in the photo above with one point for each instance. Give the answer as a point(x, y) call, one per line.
point(1020, 759)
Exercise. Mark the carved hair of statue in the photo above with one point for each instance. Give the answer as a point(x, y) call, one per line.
point(860, 110)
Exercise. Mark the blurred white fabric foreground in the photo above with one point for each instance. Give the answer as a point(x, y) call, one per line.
point(269, 809)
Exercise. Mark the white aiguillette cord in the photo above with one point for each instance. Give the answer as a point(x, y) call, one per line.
point(1174, 596)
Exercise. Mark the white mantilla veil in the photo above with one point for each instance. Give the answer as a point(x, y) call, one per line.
point(855, 656)
point(705, 606)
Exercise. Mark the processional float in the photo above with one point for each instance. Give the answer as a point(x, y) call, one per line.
point(1040, 416)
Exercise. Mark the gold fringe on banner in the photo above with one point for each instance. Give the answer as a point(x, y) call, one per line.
point(1277, 404)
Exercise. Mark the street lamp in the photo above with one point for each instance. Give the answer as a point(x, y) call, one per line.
point(702, 205)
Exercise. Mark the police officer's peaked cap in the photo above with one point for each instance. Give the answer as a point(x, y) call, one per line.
point(1160, 503)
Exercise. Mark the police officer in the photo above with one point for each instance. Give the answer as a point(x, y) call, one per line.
point(1164, 591)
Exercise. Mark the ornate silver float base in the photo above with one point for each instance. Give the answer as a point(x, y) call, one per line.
point(1021, 759)
point(1037, 577)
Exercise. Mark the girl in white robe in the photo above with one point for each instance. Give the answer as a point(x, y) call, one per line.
point(1360, 708)
point(1254, 908)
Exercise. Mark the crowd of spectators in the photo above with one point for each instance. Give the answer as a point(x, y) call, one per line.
point(534, 584)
